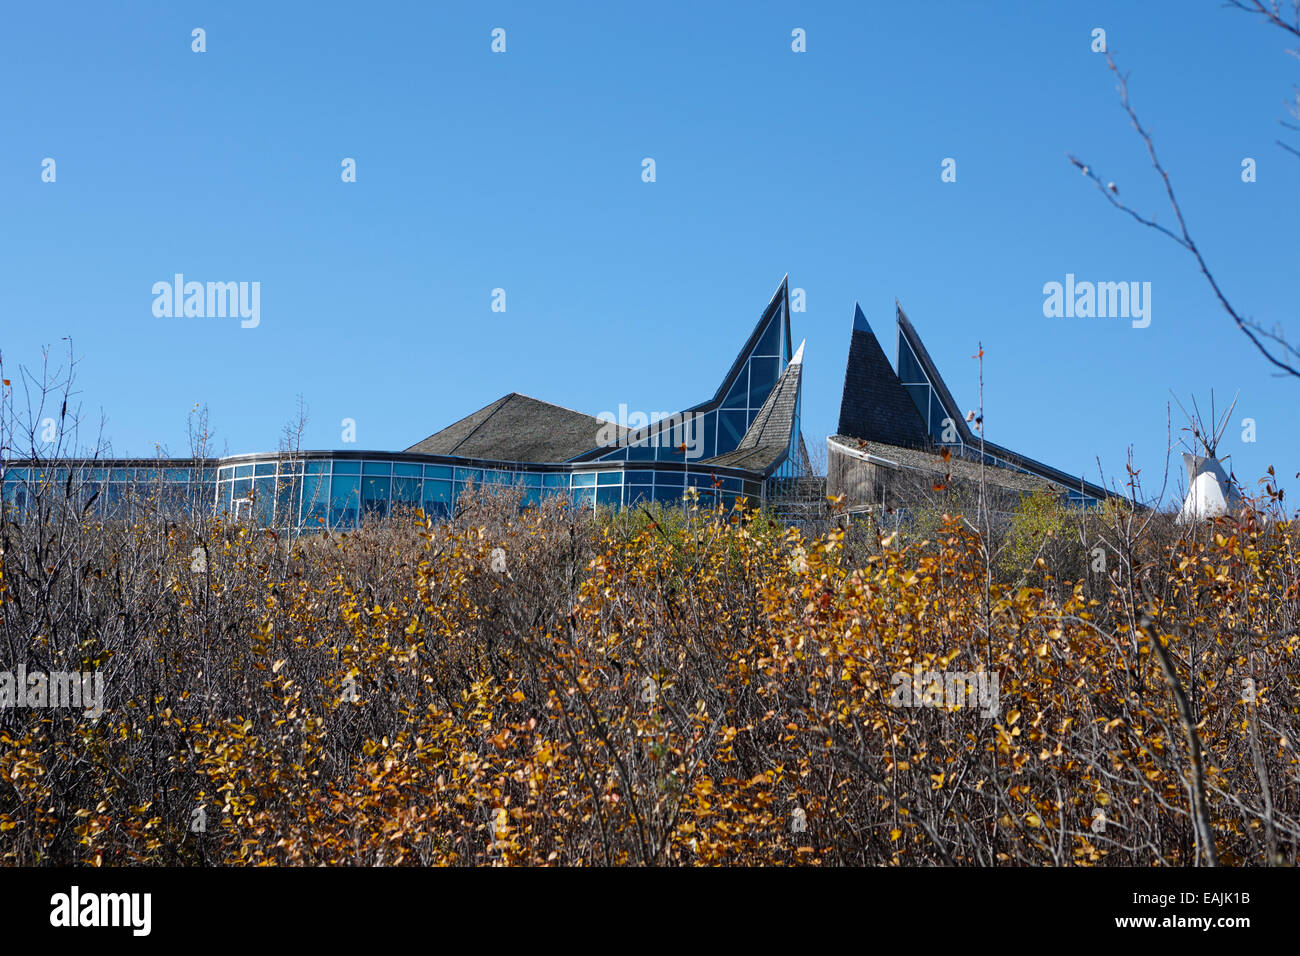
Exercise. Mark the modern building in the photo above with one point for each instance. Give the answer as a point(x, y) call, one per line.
point(902, 428)
point(744, 440)
point(897, 428)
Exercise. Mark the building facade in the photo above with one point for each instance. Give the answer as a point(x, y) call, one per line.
point(742, 441)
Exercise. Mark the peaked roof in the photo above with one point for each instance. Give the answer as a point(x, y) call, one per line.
point(517, 428)
point(780, 300)
point(768, 439)
point(874, 405)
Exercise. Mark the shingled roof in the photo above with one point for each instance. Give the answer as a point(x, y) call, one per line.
point(875, 406)
point(517, 428)
point(767, 440)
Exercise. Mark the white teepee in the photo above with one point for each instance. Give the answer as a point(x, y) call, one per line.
point(1210, 491)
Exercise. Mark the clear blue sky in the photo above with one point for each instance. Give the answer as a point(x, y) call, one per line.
point(523, 171)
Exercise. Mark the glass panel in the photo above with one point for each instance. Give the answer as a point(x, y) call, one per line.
point(227, 472)
point(267, 468)
point(263, 500)
point(763, 373)
point(318, 468)
point(609, 497)
point(407, 471)
point(584, 480)
point(609, 478)
point(315, 500)
point(639, 477)
point(406, 491)
point(920, 398)
point(739, 393)
point(377, 468)
point(556, 480)
point(467, 474)
point(437, 471)
point(667, 495)
point(347, 467)
point(770, 342)
point(909, 369)
point(286, 500)
point(374, 496)
point(731, 429)
point(437, 498)
point(345, 494)
point(243, 488)
point(584, 497)
point(243, 471)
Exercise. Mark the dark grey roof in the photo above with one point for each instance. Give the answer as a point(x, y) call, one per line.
point(875, 406)
point(767, 441)
point(932, 462)
point(780, 300)
point(777, 310)
point(970, 439)
point(517, 428)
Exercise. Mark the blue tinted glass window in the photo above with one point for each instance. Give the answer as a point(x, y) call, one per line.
point(243, 471)
point(315, 498)
point(770, 342)
point(227, 472)
point(645, 451)
point(584, 480)
point(584, 497)
point(731, 429)
point(437, 471)
point(668, 478)
point(763, 373)
point(667, 495)
point(318, 468)
point(266, 468)
point(555, 480)
point(263, 500)
point(347, 467)
point(920, 398)
point(470, 474)
point(609, 478)
point(408, 471)
point(700, 436)
point(639, 477)
point(374, 495)
point(406, 491)
point(377, 468)
point(639, 493)
point(286, 500)
point(909, 369)
point(609, 497)
point(739, 393)
point(345, 500)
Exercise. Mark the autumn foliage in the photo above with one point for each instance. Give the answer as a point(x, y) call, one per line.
point(658, 687)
